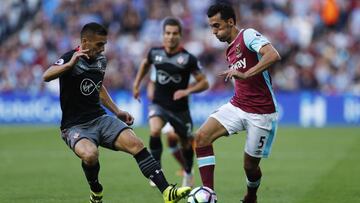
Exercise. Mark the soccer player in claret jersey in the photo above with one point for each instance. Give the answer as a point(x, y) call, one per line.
point(173, 65)
point(253, 106)
point(85, 125)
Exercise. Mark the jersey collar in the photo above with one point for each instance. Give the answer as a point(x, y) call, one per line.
point(236, 37)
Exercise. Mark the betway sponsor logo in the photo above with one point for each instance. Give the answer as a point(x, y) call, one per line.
point(239, 64)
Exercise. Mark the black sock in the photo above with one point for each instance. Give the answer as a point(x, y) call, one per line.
point(151, 169)
point(188, 155)
point(92, 176)
point(156, 148)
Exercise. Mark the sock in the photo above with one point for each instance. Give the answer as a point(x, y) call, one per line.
point(92, 173)
point(156, 148)
point(253, 182)
point(189, 159)
point(206, 162)
point(151, 169)
point(178, 157)
point(176, 152)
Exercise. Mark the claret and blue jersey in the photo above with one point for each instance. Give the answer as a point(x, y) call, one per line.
point(255, 94)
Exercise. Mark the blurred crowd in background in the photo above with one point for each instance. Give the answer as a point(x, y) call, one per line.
point(319, 40)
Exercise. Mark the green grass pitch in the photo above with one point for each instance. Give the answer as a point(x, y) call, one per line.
point(306, 166)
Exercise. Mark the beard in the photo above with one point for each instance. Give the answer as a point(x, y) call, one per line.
point(221, 38)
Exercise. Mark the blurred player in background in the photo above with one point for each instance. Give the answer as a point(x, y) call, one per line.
point(171, 136)
point(173, 65)
point(251, 109)
point(85, 125)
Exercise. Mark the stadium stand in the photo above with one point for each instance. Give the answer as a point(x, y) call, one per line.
point(319, 40)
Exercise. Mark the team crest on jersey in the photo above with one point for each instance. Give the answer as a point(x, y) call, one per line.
point(76, 135)
point(238, 51)
point(101, 67)
point(180, 60)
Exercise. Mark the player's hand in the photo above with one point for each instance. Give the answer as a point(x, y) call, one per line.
point(77, 55)
point(136, 93)
point(180, 94)
point(232, 73)
point(126, 117)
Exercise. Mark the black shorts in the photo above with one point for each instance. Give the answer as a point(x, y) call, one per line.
point(181, 121)
point(102, 131)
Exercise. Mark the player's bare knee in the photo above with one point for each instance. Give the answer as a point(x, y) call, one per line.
point(89, 156)
point(136, 146)
point(202, 139)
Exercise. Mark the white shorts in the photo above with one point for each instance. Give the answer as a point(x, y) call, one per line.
point(167, 128)
point(260, 128)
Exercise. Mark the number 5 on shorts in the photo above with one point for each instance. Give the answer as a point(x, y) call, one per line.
point(261, 142)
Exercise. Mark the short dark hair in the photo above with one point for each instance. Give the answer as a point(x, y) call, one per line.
point(225, 10)
point(172, 21)
point(93, 28)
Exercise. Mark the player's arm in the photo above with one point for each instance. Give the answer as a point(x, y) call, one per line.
point(150, 89)
point(269, 56)
point(56, 70)
point(200, 85)
point(256, 42)
point(143, 70)
point(107, 101)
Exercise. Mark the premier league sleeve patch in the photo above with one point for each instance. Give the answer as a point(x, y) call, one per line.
point(59, 62)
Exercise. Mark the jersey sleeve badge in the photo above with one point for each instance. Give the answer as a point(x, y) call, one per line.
point(59, 62)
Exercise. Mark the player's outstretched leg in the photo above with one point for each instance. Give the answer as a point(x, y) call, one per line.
point(152, 170)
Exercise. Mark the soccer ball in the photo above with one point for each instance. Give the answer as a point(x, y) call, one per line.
point(202, 195)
